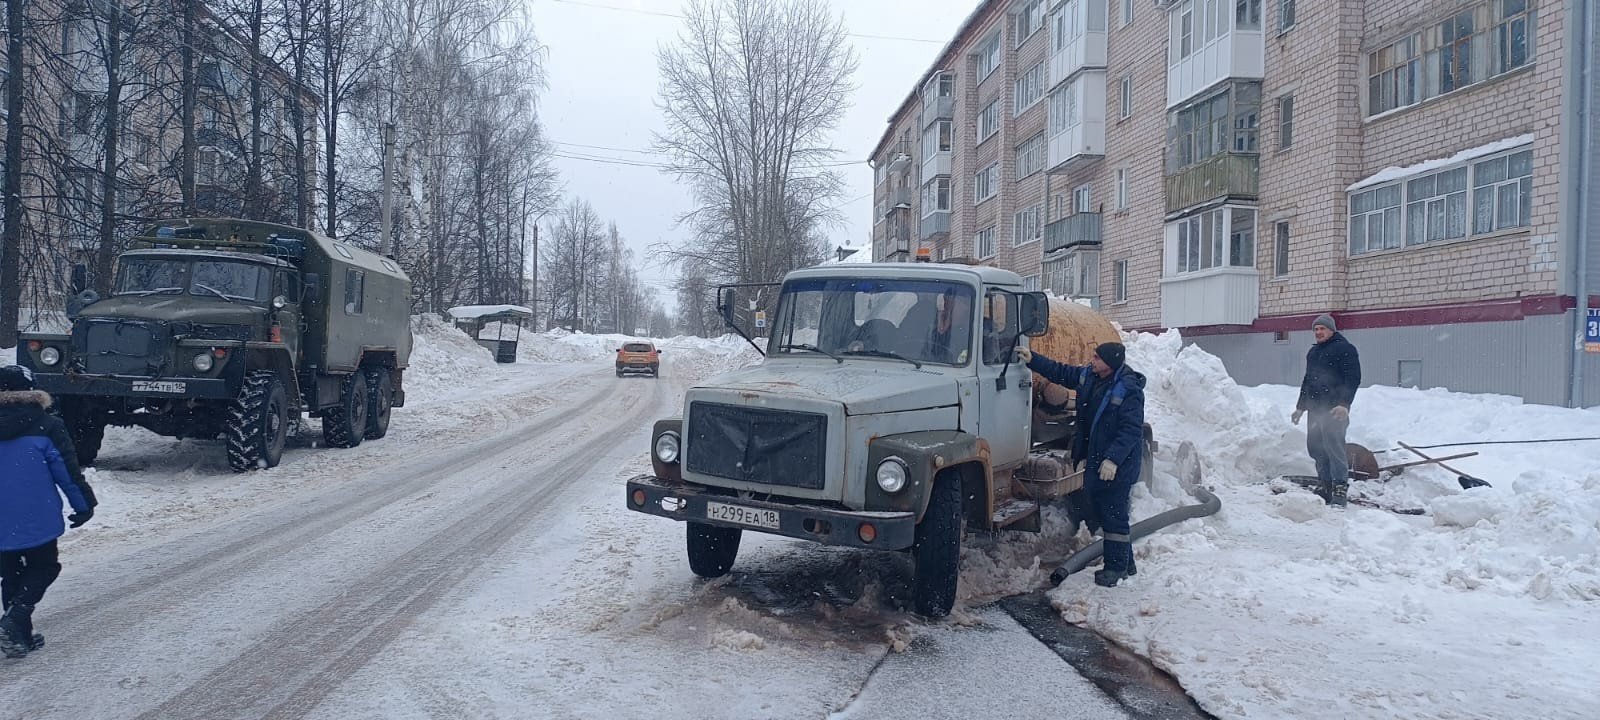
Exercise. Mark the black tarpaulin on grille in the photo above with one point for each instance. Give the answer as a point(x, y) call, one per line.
point(775, 447)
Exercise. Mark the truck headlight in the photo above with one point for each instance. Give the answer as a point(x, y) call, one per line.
point(892, 475)
point(50, 356)
point(667, 447)
point(203, 362)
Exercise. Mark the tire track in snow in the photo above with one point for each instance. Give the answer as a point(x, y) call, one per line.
point(281, 531)
point(287, 673)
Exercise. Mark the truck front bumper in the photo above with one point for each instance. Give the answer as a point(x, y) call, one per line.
point(682, 501)
point(120, 386)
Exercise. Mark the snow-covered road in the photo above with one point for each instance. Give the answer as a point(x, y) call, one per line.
point(479, 562)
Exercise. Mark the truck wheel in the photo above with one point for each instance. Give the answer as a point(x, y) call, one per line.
point(86, 427)
point(258, 423)
point(380, 401)
point(712, 549)
point(345, 425)
point(937, 551)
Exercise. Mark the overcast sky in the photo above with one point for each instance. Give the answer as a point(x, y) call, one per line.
point(601, 61)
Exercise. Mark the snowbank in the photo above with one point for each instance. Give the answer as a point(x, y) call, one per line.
point(1279, 607)
point(443, 360)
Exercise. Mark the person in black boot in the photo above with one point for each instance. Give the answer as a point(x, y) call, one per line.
point(1108, 444)
point(1333, 374)
point(37, 466)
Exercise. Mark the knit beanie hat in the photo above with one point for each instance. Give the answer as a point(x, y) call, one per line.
point(14, 378)
point(1114, 354)
point(1326, 321)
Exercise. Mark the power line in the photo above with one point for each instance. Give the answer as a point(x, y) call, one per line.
point(597, 6)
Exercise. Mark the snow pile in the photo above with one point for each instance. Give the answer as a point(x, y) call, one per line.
point(1280, 607)
point(443, 359)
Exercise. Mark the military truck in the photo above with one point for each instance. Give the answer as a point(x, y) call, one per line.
point(887, 414)
point(233, 328)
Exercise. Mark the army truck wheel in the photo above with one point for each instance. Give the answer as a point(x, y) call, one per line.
point(712, 549)
point(937, 551)
point(345, 426)
point(380, 402)
point(86, 427)
point(258, 423)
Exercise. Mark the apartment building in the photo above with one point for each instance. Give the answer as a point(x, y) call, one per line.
point(1233, 168)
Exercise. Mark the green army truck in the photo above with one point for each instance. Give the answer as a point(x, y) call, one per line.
point(233, 328)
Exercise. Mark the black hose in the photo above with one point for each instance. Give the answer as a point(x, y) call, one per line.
point(1209, 505)
point(1492, 442)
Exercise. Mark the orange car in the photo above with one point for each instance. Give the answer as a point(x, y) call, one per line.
point(638, 357)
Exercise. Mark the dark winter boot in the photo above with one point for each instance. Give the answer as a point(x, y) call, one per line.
point(1339, 496)
point(1110, 578)
point(16, 631)
point(1324, 491)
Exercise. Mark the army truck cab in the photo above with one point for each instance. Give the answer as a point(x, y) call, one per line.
point(888, 414)
point(233, 328)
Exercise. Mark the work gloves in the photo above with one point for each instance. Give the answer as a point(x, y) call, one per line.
point(1024, 355)
point(1341, 413)
point(79, 518)
point(1108, 470)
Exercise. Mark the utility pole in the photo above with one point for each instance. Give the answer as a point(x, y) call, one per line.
point(385, 232)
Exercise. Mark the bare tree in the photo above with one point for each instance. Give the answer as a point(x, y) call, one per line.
point(11, 241)
point(750, 93)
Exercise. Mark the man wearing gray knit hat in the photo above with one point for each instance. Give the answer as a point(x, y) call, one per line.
point(1333, 373)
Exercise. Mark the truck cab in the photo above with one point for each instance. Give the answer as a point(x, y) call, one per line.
point(888, 414)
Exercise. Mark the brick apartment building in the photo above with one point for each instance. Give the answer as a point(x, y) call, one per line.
point(1232, 168)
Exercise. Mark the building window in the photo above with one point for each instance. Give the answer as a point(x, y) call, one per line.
point(1027, 226)
point(1224, 237)
point(1028, 20)
point(1436, 204)
point(1450, 55)
point(1285, 15)
point(1122, 188)
point(1126, 95)
point(938, 138)
point(1280, 249)
point(988, 57)
point(986, 183)
point(1029, 89)
point(1225, 122)
point(936, 196)
point(1127, 12)
point(985, 243)
point(1030, 283)
point(1119, 280)
point(1031, 156)
point(1285, 122)
point(1247, 14)
point(1502, 192)
point(989, 121)
point(1083, 199)
point(1064, 109)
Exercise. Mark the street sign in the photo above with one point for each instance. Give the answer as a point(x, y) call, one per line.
point(761, 319)
point(1591, 334)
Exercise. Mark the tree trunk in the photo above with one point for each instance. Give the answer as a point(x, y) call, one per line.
point(253, 181)
point(190, 146)
point(11, 242)
point(106, 257)
point(330, 116)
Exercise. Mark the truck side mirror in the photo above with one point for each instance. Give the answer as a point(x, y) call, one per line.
point(1034, 314)
point(313, 287)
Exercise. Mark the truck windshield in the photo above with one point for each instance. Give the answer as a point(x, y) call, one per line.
point(206, 278)
point(926, 321)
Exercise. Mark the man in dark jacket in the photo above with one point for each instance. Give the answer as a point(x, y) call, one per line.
point(37, 466)
point(1333, 373)
point(1108, 444)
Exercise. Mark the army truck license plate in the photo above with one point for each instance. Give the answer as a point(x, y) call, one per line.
point(159, 386)
point(742, 515)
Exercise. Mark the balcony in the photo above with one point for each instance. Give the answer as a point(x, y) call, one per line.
point(935, 165)
point(899, 199)
point(935, 223)
point(1078, 119)
point(935, 108)
point(1227, 176)
point(1219, 296)
point(1237, 54)
point(899, 162)
point(898, 241)
point(1078, 39)
point(1072, 231)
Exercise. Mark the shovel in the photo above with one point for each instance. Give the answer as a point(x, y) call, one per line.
point(1467, 481)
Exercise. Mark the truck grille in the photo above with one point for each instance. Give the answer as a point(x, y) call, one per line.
point(773, 447)
point(119, 348)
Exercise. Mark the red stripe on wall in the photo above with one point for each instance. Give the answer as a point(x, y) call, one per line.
point(1506, 310)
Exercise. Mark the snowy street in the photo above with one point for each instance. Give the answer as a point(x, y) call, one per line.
point(479, 562)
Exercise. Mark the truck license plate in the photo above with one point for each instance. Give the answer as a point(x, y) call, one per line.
point(159, 386)
point(742, 515)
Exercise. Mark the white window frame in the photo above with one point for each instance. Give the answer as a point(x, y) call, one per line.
point(1121, 176)
point(987, 181)
point(1215, 239)
point(1280, 249)
point(1027, 226)
point(1285, 121)
point(1402, 74)
point(1064, 111)
point(1083, 198)
point(933, 192)
point(1032, 156)
point(1119, 281)
point(989, 121)
point(1030, 283)
point(1125, 97)
point(938, 137)
point(1028, 21)
point(1029, 89)
point(1127, 12)
point(988, 57)
point(1474, 204)
point(984, 240)
point(1286, 18)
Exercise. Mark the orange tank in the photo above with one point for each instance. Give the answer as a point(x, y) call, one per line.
point(1075, 331)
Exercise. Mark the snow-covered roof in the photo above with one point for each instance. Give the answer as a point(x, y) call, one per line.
point(1395, 173)
point(862, 254)
point(466, 312)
